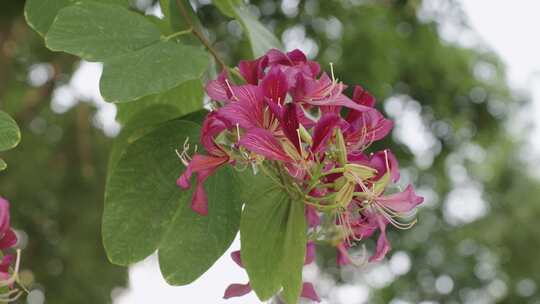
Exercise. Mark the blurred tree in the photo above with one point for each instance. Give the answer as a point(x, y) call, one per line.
point(55, 181)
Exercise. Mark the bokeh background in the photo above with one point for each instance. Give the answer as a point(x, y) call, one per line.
point(460, 79)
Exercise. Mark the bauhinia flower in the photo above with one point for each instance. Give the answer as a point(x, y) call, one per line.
point(287, 117)
point(9, 275)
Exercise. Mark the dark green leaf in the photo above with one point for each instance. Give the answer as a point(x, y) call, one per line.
point(10, 135)
point(273, 237)
point(154, 69)
point(145, 210)
point(96, 31)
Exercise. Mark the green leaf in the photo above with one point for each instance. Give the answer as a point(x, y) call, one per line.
point(179, 23)
point(260, 38)
point(40, 14)
point(154, 69)
point(187, 98)
point(145, 210)
point(10, 135)
point(96, 31)
point(227, 7)
point(273, 237)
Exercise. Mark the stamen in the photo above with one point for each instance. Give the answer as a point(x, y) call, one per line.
point(184, 155)
point(230, 89)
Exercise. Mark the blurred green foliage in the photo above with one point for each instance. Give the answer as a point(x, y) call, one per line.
point(56, 175)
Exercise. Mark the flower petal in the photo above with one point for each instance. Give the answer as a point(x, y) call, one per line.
point(246, 109)
point(237, 290)
point(274, 85)
point(308, 292)
point(235, 256)
point(310, 253)
point(262, 142)
point(219, 89)
point(253, 70)
point(323, 131)
point(290, 125)
point(363, 97)
point(8, 240)
point(383, 245)
point(403, 201)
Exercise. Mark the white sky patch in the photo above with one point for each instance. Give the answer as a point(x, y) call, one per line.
point(84, 86)
point(146, 285)
point(464, 205)
point(410, 130)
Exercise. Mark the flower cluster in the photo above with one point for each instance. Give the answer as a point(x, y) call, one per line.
point(287, 118)
point(8, 275)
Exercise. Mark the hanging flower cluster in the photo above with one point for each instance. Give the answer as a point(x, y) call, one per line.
point(9, 265)
point(286, 119)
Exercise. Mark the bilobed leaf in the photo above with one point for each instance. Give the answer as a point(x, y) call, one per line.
point(40, 14)
point(273, 238)
point(151, 70)
point(96, 31)
point(146, 211)
point(10, 135)
point(260, 38)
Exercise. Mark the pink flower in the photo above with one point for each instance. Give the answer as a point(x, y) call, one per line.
point(264, 143)
point(204, 165)
point(220, 89)
point(8, 238)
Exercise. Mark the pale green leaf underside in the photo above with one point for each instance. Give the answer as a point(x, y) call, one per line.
point(146, 211)
point(10, 135)
point(273, 237)
point(151, 70)
point(260, 38)
point(96, 31)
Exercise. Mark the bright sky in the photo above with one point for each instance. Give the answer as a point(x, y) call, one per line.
point(508, 27)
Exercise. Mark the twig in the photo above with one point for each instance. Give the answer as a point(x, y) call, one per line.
point(198, 34)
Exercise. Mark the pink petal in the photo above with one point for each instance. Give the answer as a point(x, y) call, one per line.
point(323, 131)
point(384, 160)
point(235, 256)
point(212, 126)
point(247, 107)
point(274, 85)
point(4, 216)
point(218, 89)
point(199, 163)
point(290, 125)
point(308, 292)
point(253, 70)
point(312, 216)
point(366, 127)
point(310, 253)
point(262, 142)
point(363, 97)
point(237, 290)
point(383, 245)
point(8, 240)
point(403, 201)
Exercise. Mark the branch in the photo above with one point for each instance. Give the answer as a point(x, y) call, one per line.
point(198, 33)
